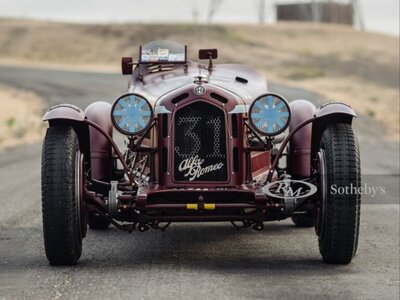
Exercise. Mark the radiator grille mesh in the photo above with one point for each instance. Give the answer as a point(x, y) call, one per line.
point(200, 143)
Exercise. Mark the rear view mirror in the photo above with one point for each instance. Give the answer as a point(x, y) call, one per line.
point(208, 53)
point(127, 65)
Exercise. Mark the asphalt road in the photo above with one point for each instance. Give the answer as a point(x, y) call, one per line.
point(188, 261)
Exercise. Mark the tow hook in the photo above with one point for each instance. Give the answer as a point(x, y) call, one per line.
point(258, 226)
point(247, 224)
point(143, 227)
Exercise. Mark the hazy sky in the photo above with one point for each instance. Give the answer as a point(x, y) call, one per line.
point(379, 15)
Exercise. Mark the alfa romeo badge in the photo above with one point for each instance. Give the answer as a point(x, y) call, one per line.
point(199, 90)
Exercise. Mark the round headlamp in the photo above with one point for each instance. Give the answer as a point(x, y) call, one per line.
point(131, 114)
point(269, 114)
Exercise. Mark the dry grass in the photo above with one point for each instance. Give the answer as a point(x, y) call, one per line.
point(20, 117)
point(361, 69)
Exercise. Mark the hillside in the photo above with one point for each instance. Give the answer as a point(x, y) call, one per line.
point(20, 123)
point(361, 69)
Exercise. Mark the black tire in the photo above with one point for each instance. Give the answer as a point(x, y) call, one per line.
point(60, 202)
point(306, 220)
point(97, 222)
point(340, 213)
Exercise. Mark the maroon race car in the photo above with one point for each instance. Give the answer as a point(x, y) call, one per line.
point(203, 143)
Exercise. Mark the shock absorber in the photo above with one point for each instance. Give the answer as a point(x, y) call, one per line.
point(112, 201)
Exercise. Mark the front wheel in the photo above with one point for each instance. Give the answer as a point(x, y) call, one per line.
point(339, 212)
point(62, 196)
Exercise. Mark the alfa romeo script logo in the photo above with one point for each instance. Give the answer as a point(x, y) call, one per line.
point(193, 167)
point(199, 90)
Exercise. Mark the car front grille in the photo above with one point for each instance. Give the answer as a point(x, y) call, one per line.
point(200, 143)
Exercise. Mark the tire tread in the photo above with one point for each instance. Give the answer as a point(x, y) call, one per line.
point(61, 226)
point(339, 239)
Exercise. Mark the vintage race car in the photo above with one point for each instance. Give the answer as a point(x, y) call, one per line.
point(203, 143)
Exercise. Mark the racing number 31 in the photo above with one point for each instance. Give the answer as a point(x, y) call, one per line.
point(192, 133)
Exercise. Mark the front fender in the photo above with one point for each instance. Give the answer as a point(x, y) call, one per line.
point(92, 143)
point(64, 112)
point(337, 109)
point(334, 112)
point(71, 115)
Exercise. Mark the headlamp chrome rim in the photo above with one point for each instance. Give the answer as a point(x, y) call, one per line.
point(126, 132)
point(283, 128)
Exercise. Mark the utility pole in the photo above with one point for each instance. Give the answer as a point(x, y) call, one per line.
point(195, 12)
point(212, 9)
point(315, 11)
point(261, 11)
point(358, 15)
